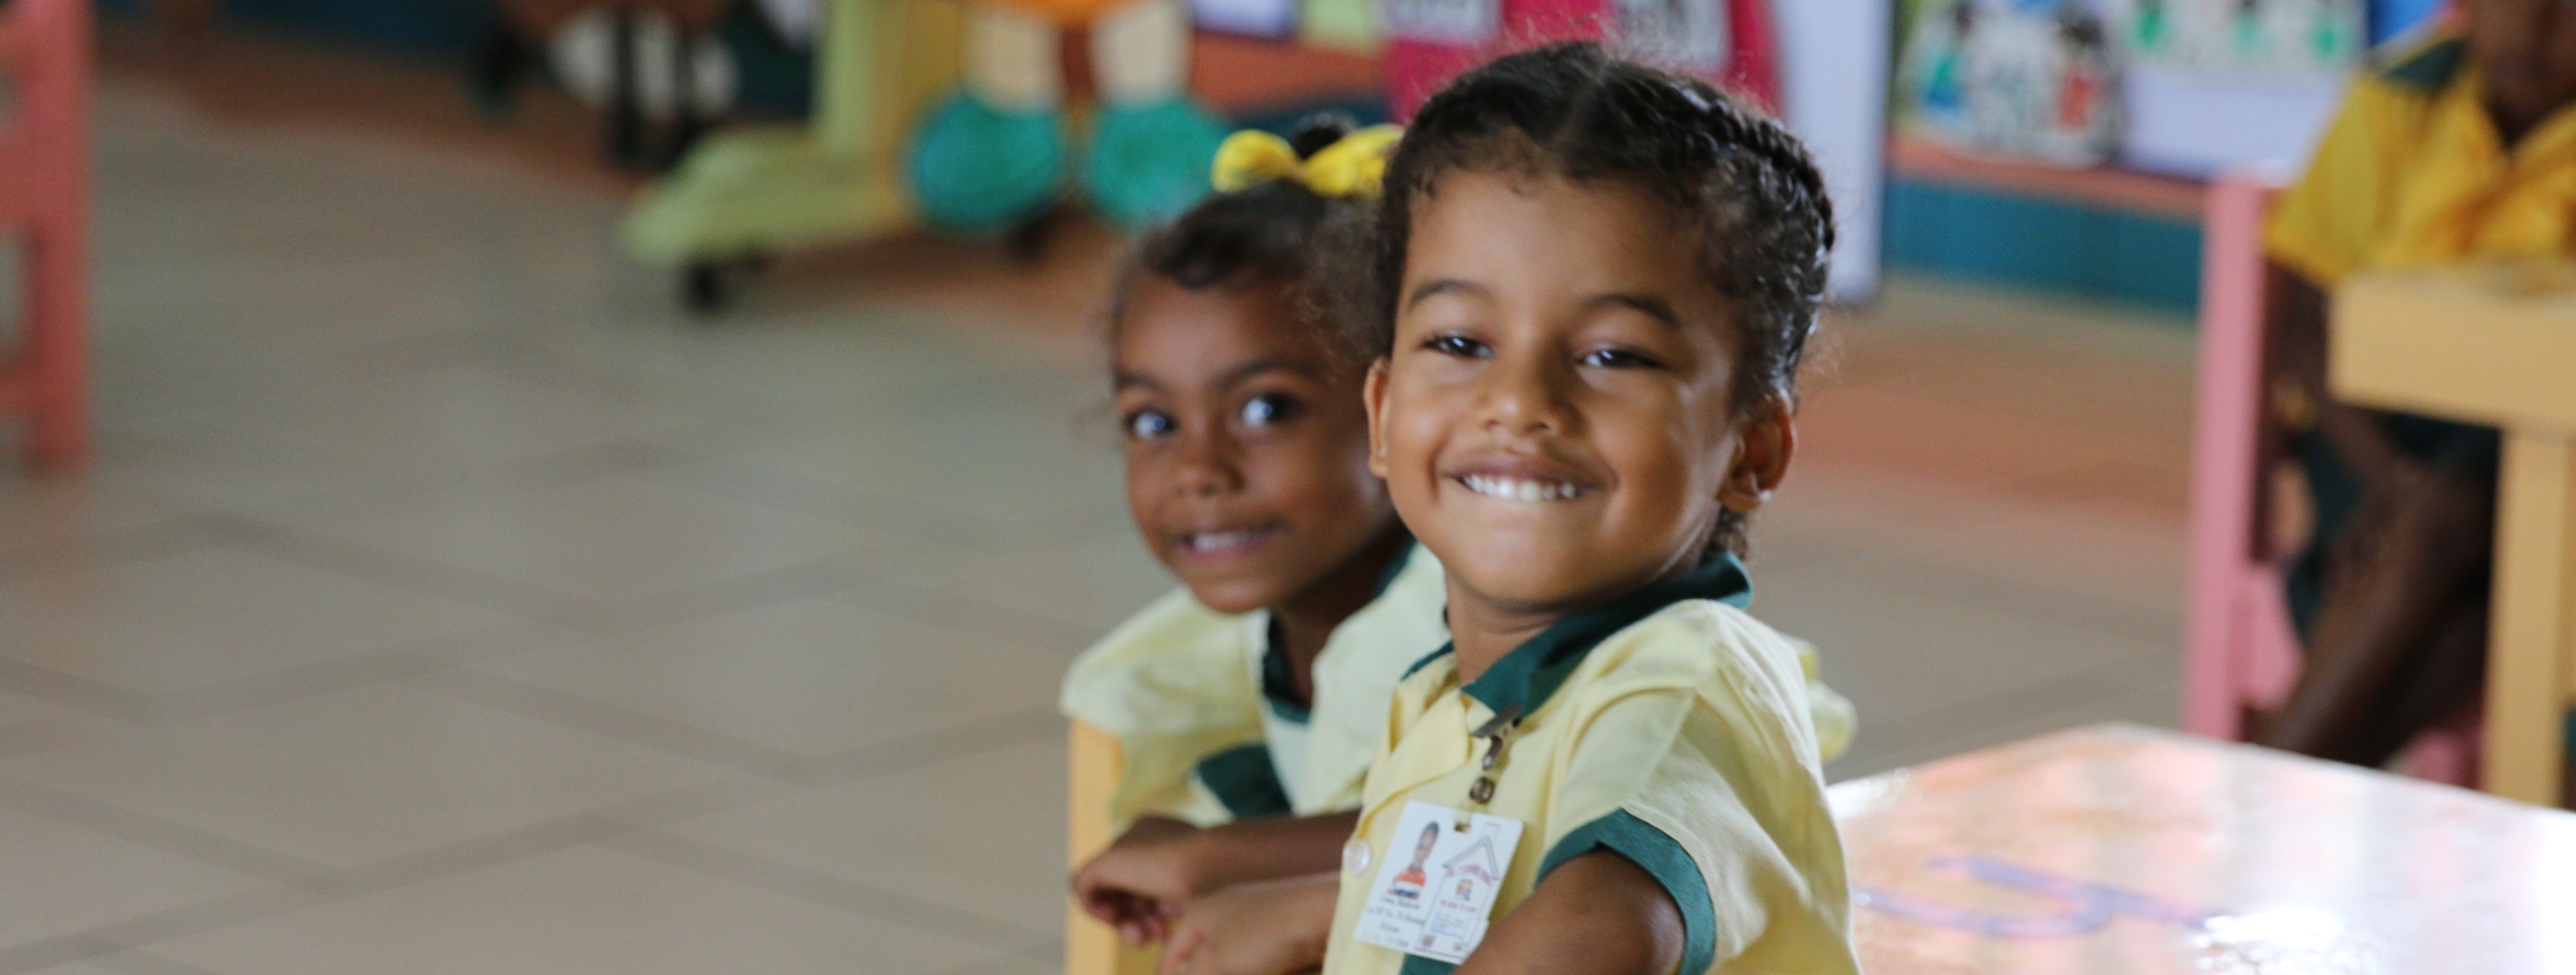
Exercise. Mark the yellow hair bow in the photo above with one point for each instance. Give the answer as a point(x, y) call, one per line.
point(1350, 167)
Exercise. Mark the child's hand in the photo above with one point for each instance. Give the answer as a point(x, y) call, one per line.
point(1139, 882)
point(1273, 928)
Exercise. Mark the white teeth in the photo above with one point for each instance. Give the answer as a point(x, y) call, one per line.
point(1520, 489)
point(1212, 541)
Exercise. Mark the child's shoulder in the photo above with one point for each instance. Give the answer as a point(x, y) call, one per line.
point(1718, 652)
point(1696, 640)
point(1173, 667)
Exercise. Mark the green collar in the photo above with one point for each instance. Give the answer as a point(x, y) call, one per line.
point(1527, 676)
point(1278, 683)
point(2429, 68)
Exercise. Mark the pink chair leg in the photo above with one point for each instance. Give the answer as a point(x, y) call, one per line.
point(2225, 487)
point(51, 42)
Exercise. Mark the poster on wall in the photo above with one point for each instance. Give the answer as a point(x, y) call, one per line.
point(1257, 18)
point(2325, 38)
point(2034, 79)
point(1685, 35)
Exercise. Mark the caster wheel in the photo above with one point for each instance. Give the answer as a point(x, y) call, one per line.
point(1026, 244)
point(709, 287)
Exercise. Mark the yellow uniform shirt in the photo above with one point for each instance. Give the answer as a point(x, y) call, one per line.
point(2412, 172)
point(1200, 702)
point(1668, 726)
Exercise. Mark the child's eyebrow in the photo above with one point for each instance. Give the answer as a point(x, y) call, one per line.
point(1280, 363)
point(1440, 286)
point(1653, 306)
point(1122, 379)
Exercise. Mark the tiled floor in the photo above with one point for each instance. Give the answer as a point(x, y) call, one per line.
point(444, 601)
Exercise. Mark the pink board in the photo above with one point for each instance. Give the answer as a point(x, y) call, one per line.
point(2121, 849)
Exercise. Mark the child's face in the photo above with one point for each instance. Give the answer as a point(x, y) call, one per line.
point(1554, 420)
point(2527, 50)
point(1247, 445)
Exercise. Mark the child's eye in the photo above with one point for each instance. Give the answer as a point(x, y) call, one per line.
point(1458, 346)
point(1270, 408)
point(1618, 359)
point(1149, 424)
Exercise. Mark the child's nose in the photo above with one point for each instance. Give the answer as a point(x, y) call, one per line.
point(1207, 466)
point(1522, 396)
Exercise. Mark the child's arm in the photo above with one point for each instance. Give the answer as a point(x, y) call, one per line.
point(1597, 913)
point(2296, 308)
point(1159, 863)
point(1272, 928)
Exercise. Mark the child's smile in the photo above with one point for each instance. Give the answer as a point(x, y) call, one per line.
point(1218, 545)
point(1555, 418)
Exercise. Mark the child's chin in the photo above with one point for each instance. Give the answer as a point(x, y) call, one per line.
point(1231, 593)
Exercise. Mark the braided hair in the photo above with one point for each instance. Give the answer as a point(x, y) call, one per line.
point(1746, 188)
point(1265, 234)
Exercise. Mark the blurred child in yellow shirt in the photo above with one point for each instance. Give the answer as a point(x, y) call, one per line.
point(2461, 147)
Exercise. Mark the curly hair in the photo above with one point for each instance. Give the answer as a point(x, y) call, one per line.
point(1270, 233)
point(1747, 189)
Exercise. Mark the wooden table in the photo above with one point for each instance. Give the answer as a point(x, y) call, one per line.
point(2494, 344)
point(2123, 849)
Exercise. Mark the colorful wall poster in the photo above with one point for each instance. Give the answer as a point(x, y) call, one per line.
point(2038, 79)
point(2291, 37)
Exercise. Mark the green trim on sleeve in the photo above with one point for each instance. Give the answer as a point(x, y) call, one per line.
point(1418, 965)
point(1662, 857)
point(1245, 781)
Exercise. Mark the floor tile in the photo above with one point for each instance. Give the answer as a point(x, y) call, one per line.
point(572, 912)
point(47, 515)
point(1012, 461)
point(983, 834)
point(2147, 693)
point(20, 710)
point(431, 420)
point(58, 878)
point(213, 615)
point(812, 675)
point(356, 776)
point(1899, 650)
point(611, 540)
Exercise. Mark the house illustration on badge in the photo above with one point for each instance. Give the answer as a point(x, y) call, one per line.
point(1472, 875)
point(1463, 899)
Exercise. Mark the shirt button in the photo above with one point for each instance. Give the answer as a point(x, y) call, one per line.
point(1355, 855)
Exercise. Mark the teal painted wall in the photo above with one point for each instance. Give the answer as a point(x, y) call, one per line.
point(1993, 236)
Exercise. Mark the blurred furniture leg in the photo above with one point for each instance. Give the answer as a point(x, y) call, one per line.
point(2531, 668)
point(2241, 650)
point(2494, 344)
point(44, 52)
point(1090, 947)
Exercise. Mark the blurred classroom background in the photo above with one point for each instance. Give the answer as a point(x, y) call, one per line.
point(495, 543)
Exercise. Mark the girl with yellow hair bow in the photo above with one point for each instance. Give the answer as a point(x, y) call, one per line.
point(1247, 704)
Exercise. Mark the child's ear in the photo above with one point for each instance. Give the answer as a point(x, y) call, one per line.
point(1375, 395)
point(1763, 445)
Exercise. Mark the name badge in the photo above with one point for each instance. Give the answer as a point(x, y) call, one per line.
point(1434, 894)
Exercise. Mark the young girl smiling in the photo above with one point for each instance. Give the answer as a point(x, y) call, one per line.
point(1588, 289)
point(1248, 704)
